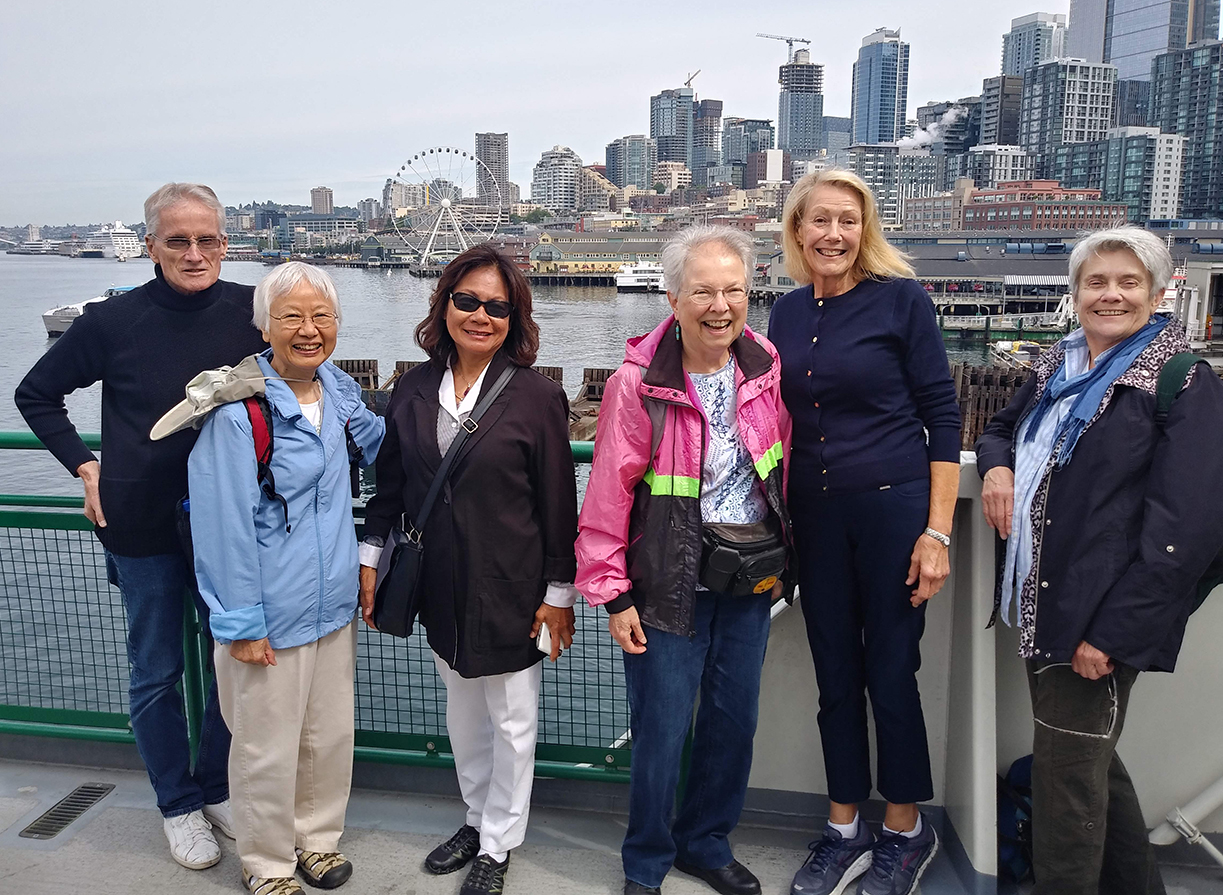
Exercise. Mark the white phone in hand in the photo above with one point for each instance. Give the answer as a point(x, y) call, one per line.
point(544, 640)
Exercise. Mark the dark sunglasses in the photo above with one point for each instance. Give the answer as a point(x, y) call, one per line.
point(469, 304)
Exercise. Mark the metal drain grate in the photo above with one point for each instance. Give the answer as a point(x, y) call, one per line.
point(66, 810)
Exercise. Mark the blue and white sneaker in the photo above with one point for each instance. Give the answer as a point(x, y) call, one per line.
point(900, 861)
point(834, 862)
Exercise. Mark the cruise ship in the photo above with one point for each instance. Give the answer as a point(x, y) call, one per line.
point(116, 240)
point(640, 277)
point(36, 247)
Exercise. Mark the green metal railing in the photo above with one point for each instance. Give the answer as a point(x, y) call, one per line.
point(64, 671)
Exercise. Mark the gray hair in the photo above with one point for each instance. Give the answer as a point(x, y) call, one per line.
point(677, 252)
point(283, 280)
point(1148, 248)
point(173, 193)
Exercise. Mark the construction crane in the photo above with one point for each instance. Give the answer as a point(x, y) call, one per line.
point(790, 42)
point(691, 78)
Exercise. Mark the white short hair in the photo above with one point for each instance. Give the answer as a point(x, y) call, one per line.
point(283, 280)
point(1148, 248)
point(174, 193)
point(677, 252)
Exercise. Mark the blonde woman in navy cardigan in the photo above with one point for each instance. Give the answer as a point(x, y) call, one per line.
point(873, 476)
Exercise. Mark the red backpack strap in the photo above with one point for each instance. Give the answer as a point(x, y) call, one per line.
point(260, 414)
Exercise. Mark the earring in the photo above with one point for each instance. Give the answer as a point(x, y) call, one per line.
point(677, 332)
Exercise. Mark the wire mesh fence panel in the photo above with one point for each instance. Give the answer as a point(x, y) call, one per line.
point(63, 632)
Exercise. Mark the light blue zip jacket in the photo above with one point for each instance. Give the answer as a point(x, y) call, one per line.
point(259, 581)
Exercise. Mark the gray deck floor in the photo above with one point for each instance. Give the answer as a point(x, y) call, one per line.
point(118, 847)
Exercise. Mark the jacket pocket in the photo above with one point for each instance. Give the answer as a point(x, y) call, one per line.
point(505, 611)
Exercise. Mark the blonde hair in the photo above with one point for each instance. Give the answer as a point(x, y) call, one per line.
point(877, 258)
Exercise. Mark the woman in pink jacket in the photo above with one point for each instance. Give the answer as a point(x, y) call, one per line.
point(683, 538)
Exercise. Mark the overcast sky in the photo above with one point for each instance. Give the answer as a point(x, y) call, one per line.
point(103, 102)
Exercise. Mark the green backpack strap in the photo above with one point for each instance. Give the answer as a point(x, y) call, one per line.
point(1171, 380)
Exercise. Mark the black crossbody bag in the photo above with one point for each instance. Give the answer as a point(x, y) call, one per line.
point(397, 589)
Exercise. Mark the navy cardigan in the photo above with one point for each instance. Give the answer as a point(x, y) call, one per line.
point(865, 376)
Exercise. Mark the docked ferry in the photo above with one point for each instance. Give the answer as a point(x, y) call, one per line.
point(640, 277)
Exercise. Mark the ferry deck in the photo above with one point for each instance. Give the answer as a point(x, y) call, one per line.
point(62, 724)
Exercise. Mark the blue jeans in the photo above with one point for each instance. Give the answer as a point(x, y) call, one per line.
point(722, 660)
point(152, 589)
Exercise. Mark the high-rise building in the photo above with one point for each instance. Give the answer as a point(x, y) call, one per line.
point(1133, 103)
point(595, 191)
point(950, 126)
point(1085, 31)
point(1001, 100)
point(838, 132)
point(880, 94)
point(1033, 39)
point(555, 181)
point(706, 139)
point(893, 174)
point(800, 108)
point(321, 200)
point(1187, 99)
point(369, 209)
point(767, 166)
point(494, 151)
point(989, 165)
point(742, 136)
point(631, 161)
point(1135, 165)
point(1065, 101)
point(396, 195)
point(672, 116)
point(672, 175)
point(1131, 33)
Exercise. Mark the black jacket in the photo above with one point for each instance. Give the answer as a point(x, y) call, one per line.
point(505, 523)
point(1123, 532)
point(144, 346)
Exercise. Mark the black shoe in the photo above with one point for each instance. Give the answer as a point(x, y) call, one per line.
point(486, 877)
point(455, 852)
point(632, 888)
point(733, 879)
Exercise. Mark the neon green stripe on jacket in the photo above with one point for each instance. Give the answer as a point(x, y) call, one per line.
point(769, 462)
point(676, 485)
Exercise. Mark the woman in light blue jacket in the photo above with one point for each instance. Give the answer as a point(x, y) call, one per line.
point(276, 561)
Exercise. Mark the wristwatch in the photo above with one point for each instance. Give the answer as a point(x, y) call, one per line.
point(943, 539)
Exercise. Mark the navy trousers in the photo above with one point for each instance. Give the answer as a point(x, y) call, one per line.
point(854, 551)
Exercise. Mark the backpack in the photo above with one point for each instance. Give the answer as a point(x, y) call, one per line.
point(259, 412)
point(1015, 820)
point(1171, 378)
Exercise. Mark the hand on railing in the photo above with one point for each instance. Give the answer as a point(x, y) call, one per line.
point(90, 473)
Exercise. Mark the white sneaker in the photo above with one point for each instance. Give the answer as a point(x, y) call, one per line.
point(220, 817)
point(191, 841)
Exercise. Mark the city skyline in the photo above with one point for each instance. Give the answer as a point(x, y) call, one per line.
point(219, 101)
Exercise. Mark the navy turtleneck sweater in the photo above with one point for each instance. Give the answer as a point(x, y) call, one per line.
point(144, 346)
point(865, 378)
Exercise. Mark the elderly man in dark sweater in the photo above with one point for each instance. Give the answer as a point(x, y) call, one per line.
point(144, 346)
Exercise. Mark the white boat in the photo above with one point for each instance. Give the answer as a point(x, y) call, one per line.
point(115, 240)
point(36, 247)
point(640, 277)
point(57, 320)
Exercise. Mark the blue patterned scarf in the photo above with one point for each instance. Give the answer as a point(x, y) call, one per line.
point(1090, 387)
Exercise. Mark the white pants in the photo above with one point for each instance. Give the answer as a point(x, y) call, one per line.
point(290, 764)
point(492, 722)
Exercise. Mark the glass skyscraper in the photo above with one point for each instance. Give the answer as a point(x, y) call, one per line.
point(1131, 33)
point(880, 89)
point(800, 109)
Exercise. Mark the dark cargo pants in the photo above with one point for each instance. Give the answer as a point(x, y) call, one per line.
point(1089, 837)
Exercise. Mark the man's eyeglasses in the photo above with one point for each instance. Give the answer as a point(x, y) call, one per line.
point(325, 320)
point(704, 295)
point(182, 243)
point(470, 304)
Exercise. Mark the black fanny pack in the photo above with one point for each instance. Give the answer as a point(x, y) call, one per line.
point(741, 560)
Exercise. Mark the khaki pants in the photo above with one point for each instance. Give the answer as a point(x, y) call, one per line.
point(290, 764)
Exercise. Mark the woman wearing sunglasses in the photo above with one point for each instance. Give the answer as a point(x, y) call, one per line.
point(498, 545)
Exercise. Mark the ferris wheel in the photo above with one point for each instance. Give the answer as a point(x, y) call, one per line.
point(452, 201)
